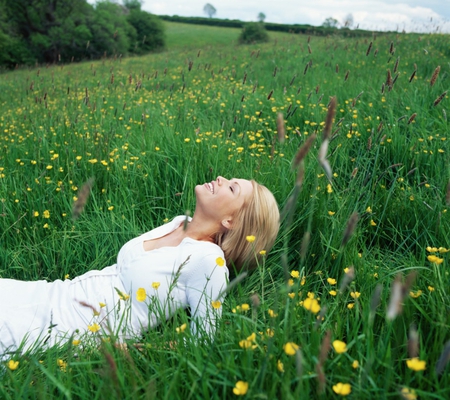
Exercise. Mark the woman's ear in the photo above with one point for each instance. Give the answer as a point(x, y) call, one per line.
point(227, 223)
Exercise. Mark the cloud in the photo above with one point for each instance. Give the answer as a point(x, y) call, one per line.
point(410, 15)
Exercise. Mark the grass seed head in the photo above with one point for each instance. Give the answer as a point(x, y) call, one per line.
point(83, 195)
point(368, 49)
point(439, 99)
point(304, 150)
point(413, 342)
point(329, 119)
point(350, 228)
point(447, 194)
point(443, 359)
point(412, 118)
point(435, 75)
point(281, 128)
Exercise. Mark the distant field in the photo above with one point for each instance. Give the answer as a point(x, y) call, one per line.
point(353, 299)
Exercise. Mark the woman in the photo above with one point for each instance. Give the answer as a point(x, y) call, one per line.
point(180, 264)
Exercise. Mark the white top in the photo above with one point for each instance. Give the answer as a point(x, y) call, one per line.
point(188, 276)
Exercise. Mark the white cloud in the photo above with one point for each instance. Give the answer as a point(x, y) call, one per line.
point(411, 15)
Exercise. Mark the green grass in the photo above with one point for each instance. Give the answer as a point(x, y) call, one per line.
point(148, 129)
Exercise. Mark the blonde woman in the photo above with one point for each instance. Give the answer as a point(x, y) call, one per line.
point(177, 265)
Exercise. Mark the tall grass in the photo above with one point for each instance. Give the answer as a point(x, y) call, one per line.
point(148, 129)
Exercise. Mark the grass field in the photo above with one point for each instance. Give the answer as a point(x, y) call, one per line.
point(363, 312)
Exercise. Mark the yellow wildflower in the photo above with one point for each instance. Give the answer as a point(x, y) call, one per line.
point(290, 348)
point(75, 342)
point(331, 281)
point(155, 285)
point(94, 327)
point(181, 328)
point(312, 305)
point(46, 214)
point(241, 388)
point(415, 364)
point(61, 364)
point(333, 292)
point(350, 305)
point(220, 261)
point(280, 366)
point(295, 274)
point(250, 238)
point(355, 295)
point(13, 365)
point(408, 394)
point(339, 346)
point(216, 304)
point(331, 213)
point(355, 364)
point(141, 294)
point(245, 307)
point(272, 314)
point(263, 252)
point(415, 295)
point(435, 260)
point(342, 388)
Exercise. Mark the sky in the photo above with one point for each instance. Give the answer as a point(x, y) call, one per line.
point(381, 15)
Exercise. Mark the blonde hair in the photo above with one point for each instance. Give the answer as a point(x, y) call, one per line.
point(258, 218)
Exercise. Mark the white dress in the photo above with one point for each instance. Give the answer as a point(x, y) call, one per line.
point(158, 282)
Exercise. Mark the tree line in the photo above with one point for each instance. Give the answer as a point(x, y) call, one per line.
point(51, 31)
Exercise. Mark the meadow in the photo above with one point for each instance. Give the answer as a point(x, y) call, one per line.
point(353, 299)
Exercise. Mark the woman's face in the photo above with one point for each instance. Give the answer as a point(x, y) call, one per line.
point(222, 198)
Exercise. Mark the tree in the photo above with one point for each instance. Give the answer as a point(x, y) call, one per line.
point(348, 20)
point(50, 30)
point(330, 23)
point(209, 10)
point(111, 32)
point(261, 17)
point(253, 32)
point(149, 31)
point(132, 4)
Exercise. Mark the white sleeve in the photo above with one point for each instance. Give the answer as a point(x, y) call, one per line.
point(205, 283)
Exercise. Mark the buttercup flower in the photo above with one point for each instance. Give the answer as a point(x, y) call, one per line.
point(141, 294)
point(241, 388)
point(342, 388)
point(155, 285)
point(295, 274)
point(331, 281)
point(312, 305)
point(250, 238)
point(408, 394)
point(13, 365)
point(181, 328)
point(220, 261)
point(94, 327)
point(216, 304)
point(415, 364)
point(61, 364)
point(435, 260)
point(355, 295)
point(280, 366)
point(355, 364)
point(339, 346)
point(290, 348)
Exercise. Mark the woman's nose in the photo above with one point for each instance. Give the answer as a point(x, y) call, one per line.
point(220, 180)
